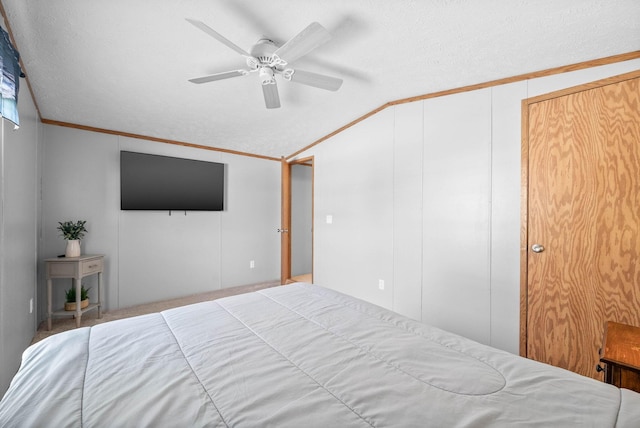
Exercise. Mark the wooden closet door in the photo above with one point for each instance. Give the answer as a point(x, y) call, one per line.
point(583, 205)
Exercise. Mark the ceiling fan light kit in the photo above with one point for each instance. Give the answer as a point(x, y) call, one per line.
point(268, 60)
point(266, 76)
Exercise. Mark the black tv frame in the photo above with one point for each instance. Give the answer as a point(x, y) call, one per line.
point(150, 182)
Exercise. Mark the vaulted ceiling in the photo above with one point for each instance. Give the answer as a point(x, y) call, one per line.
point(124, 65)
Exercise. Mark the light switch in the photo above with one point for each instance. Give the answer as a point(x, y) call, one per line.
point(329, 219)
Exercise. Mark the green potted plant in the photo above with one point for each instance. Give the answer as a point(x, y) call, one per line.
point(70, 295)
point(73, 232)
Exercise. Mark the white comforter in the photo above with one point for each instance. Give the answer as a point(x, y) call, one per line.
point(294, 356)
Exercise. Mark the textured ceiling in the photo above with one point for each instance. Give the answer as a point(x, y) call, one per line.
point(123, 65)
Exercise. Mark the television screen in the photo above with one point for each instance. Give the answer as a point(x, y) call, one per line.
point(153, 182)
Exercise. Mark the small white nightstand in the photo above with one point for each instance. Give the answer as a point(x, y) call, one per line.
point(75, 268)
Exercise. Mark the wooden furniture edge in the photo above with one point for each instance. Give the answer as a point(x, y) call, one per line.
point(617, 327)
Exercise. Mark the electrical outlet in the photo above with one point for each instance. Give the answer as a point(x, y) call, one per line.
point(252, 264)
point(381, 284)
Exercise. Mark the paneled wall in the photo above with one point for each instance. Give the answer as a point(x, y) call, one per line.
point(456, 213)
point(151, 255)
point(18, 236)
point(425, 206)
point(354, 185)
point(407, 204)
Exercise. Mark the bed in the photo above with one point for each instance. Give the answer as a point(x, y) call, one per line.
point(294, 356)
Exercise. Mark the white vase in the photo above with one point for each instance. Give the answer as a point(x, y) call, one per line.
point(73, 248)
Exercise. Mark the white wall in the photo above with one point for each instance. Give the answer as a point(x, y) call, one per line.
point(354, 184)
point(151, 255)
point(426, 197)
point(456, 219)
point(18, 235)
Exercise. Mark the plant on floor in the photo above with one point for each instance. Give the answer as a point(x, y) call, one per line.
point(70, 294)
point(72, 231)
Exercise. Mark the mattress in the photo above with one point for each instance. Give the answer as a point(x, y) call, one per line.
point(294, 356)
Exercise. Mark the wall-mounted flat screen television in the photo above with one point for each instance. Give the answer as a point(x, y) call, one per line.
point(162, 183)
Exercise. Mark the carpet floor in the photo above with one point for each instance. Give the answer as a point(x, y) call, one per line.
point(59, 325)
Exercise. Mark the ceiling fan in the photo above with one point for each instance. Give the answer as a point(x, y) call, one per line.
point(268, 60)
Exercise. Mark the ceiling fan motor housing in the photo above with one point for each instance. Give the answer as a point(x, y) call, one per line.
point(263, 51)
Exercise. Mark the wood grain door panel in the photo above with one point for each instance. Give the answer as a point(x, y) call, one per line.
point(584, 208)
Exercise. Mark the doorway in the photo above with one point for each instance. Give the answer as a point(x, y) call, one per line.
point(297, 221)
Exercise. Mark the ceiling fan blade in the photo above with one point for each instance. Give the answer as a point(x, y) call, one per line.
point(219, 37)
point(271, 98)
point(219, 76)
point(316, 80)
point(303, 43)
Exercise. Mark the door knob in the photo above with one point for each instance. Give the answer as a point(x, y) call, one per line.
point(537, 248)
